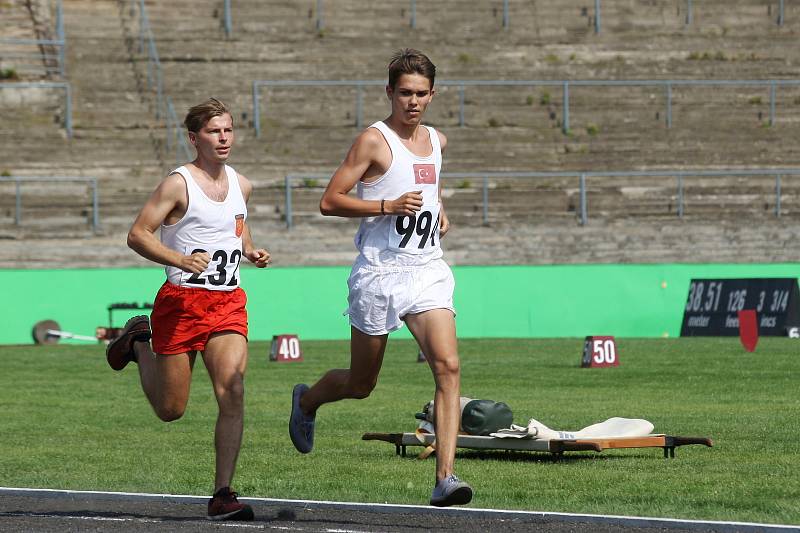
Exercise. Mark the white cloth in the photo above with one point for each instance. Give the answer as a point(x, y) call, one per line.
point(612, 428)
point(210, 226)
point(401, 240)
point(380, 297)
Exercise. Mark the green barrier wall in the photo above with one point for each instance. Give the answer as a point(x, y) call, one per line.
point(492, 301)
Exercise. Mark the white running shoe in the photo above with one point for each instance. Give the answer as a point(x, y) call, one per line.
point(451, 491)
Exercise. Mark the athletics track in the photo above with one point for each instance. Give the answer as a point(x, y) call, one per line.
point(44, 510)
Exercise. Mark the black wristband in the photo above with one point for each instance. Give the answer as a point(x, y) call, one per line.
point(382, 211)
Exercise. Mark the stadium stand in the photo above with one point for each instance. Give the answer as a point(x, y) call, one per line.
point(308, 130)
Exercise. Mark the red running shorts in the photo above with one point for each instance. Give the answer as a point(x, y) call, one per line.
point(183, 318)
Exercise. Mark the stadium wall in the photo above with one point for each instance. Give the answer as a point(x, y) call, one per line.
point(491, 301)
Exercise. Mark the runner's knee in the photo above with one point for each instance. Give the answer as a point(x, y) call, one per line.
point(361, 390)
point(230, 393)
point(447, 366)
point(170, 413)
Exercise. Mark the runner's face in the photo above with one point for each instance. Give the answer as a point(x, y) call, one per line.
point(214, 140)
point(410, 97)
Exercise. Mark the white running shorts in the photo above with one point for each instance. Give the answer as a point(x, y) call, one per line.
point(380, 297)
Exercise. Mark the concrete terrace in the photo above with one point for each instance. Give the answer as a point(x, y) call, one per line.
point(308, 130)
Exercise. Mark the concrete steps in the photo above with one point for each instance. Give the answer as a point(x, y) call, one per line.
point(118, 140)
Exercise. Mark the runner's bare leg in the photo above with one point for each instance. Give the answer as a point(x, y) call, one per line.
point(366, 358)
point(225, 358)
point(166, 380)
point(435, 332)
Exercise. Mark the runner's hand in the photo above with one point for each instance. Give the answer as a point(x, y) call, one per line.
point(259, 257)
point(444, 223)
point(195, 263)
point(407, 204)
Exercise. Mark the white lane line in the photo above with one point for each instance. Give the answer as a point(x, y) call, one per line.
point(392, 507)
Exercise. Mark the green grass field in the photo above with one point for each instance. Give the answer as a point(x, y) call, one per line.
point(70, 422)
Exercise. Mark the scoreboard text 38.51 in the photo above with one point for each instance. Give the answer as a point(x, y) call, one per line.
point(712, 306)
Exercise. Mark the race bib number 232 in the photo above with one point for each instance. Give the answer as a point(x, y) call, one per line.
point(415, 234)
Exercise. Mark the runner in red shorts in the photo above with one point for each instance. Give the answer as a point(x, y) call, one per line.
point(201, 210)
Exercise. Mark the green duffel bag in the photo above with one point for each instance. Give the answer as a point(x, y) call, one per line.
point(482, 417)
point(478, 417)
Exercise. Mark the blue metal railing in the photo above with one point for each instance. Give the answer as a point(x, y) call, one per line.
point(62, 85)
point(319, 22)
point(176, 136)
point(54, 63)
point(164, 110)
point(147, 47)
point(583, 216)
point(227, 20)
point(666, 85)
point(19, 180)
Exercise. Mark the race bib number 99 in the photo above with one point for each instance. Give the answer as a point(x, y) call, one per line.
point(415, 234)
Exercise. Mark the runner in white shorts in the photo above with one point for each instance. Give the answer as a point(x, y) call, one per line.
point(399, 275)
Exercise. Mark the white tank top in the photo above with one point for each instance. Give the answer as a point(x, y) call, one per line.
point(210, 226)
point(400, 240)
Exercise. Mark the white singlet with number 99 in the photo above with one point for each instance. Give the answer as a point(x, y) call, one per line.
point(415, 234)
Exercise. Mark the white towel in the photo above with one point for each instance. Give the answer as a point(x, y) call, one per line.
point(611, 428)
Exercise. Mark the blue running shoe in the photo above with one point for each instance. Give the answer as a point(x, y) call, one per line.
point(451, 491)
point(301, 425)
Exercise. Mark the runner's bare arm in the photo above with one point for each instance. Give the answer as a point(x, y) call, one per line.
point(368, 157)
point(169, 197)
point(444, 222)
point(257, 256)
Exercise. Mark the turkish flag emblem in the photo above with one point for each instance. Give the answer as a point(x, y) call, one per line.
point(239, 225)
point(425, 173)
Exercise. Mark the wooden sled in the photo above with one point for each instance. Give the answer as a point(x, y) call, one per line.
point(557, 447)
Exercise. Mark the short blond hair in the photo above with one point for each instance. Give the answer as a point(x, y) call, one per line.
point(198, 115)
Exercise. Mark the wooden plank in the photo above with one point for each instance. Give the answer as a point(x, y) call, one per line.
point(538, 445)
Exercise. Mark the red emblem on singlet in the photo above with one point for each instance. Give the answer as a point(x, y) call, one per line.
point(239, 225)
point(425, 173)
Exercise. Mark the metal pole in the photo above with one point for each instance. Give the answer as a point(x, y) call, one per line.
point(780, 13)
point(778, 195)
point(95, 206)
point(169, 124)
point(17, 203)
point(583, 199)
point(68, 112)
point(486, 200)
point(414, 14)
point(688, 12)
point(228, 22)
point(359, 103)
point(288, 185)
point(141, 26)
point(320, 22)
point(159, 91)
point(669, 105)
point(772, 90)
point(680, 196)
point(150, 51)
point(174, 134)
point(61, 37)
point(565, 121)
point(461, 105)
point(505, 14)
point(597, 16)
point(256, 113)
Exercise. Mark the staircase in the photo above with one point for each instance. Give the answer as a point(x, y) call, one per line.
point(308, 130)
